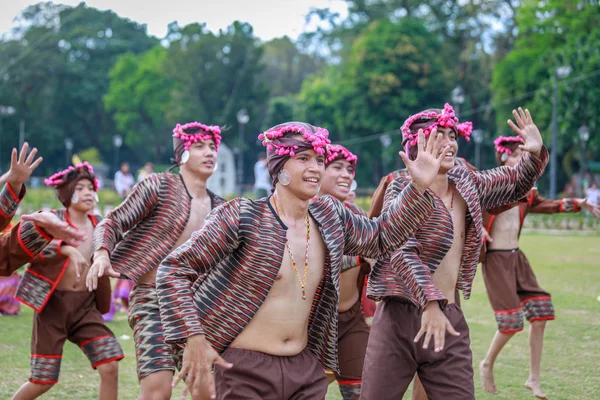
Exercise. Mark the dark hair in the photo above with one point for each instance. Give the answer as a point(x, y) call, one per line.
point(512, 146)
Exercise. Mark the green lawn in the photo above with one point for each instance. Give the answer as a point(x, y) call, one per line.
point(567, 266)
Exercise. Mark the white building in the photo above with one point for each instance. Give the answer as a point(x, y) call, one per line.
point(222, 181)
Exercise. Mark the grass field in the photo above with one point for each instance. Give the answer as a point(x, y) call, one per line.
point(566, 266)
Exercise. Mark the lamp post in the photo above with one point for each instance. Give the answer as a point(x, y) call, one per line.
point(478, 138)
point(584, 136)
point(4, 110)
point(458, 98)
point(386, 141)
point(117, 143)
point(69, 149)
point(242, 118)
point(559, 72)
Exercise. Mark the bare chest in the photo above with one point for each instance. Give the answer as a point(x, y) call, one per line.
point(506, 225)
point(199, 209)
point(85, 247)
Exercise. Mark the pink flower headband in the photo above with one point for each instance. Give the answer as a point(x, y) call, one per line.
point(447, 119)
point(319, 140)
point(67, 174)
point(501, 140)
point(205, 132)
point(337, 152)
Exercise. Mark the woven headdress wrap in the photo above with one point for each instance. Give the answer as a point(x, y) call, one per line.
point(432, 119)
point(505, 145)
point(282, 145)
point(339, 152)
point(66, 180)
point(186, 135)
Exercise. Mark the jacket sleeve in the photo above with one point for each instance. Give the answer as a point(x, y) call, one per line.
point(137, 206)
point(207, 247)
point(19, 246)
point(505, 185)
point(380, 237)
point(540, 205)
point(9, 202)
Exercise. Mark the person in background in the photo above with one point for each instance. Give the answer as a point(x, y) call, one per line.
point(146, 171)
point(262, 182)
point(123, 181)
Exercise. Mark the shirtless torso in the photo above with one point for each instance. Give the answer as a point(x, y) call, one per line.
point(280, 326)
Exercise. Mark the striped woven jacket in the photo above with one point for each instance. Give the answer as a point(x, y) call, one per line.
point(215, 282)
point(408, 272)
point(24, 241)
point(152, 218)
point(46, 270)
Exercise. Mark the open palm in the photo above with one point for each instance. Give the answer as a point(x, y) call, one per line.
point(526, 128)
point(426, 166)
point(21, 166)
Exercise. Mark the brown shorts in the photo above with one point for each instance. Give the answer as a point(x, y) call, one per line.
point(353, 336)
point(513, 290)
point(72, 316)
point(393, 357)
point(151, 352)
point(260, 376)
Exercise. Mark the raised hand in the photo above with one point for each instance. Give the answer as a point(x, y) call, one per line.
point(100, 267)
point(591, 208)
point(198, 360)
point(56, 227)
point(426, 166)
point(21, 167)
point(528, 131)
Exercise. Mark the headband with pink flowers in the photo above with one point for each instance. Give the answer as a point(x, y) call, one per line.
point(337, 152)
point(205, 132)
point(319, 140)
point(502, 140)
point(70, 173)
point(447, 119)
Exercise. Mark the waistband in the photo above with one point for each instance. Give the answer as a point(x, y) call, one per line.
point(502, 250)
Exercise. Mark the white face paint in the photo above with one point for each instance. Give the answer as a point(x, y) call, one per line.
point(75, 198)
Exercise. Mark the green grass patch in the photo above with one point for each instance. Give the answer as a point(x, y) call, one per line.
point(566, 266)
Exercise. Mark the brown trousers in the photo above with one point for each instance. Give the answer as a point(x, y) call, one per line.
point(353, 336)
point(260, 376)
point(393, 357)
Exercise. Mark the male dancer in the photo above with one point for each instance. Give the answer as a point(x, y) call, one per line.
point(27, 239)
point(512, 287)
point(417, 285)
point(64, 309)
point(353, 332)
point(259, 283)
point(158, 216)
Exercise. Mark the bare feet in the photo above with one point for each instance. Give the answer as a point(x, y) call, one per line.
point(486, 372)
point(536, 387)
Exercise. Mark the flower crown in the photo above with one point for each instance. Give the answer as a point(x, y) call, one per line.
point(501, 140)
point(447, 119)
point(319, 140)
point(69, 173)
point(337, 152)
point(205, 132)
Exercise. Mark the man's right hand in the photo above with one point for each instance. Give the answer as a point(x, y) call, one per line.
point(198, 360)
point(434, 324)
point(55, 227)
point(100, 267)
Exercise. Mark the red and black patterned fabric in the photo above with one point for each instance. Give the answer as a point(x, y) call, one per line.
point(216, 282)
point(153, 216)
point(408, 272)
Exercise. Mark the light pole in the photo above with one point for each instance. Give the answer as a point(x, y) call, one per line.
point(242, 118)
point(478, 138)
point(386, 141)
point(4, 110)
point(117, 143)
point(584, 136)
point(559, 72)
point(458, 98)
point(69, 149)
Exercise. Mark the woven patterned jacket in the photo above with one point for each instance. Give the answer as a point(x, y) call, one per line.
point(46, 270)
point(24, 241)
point(533, 203)
point(153, 216)
point(408, 273)
point(215, 282)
